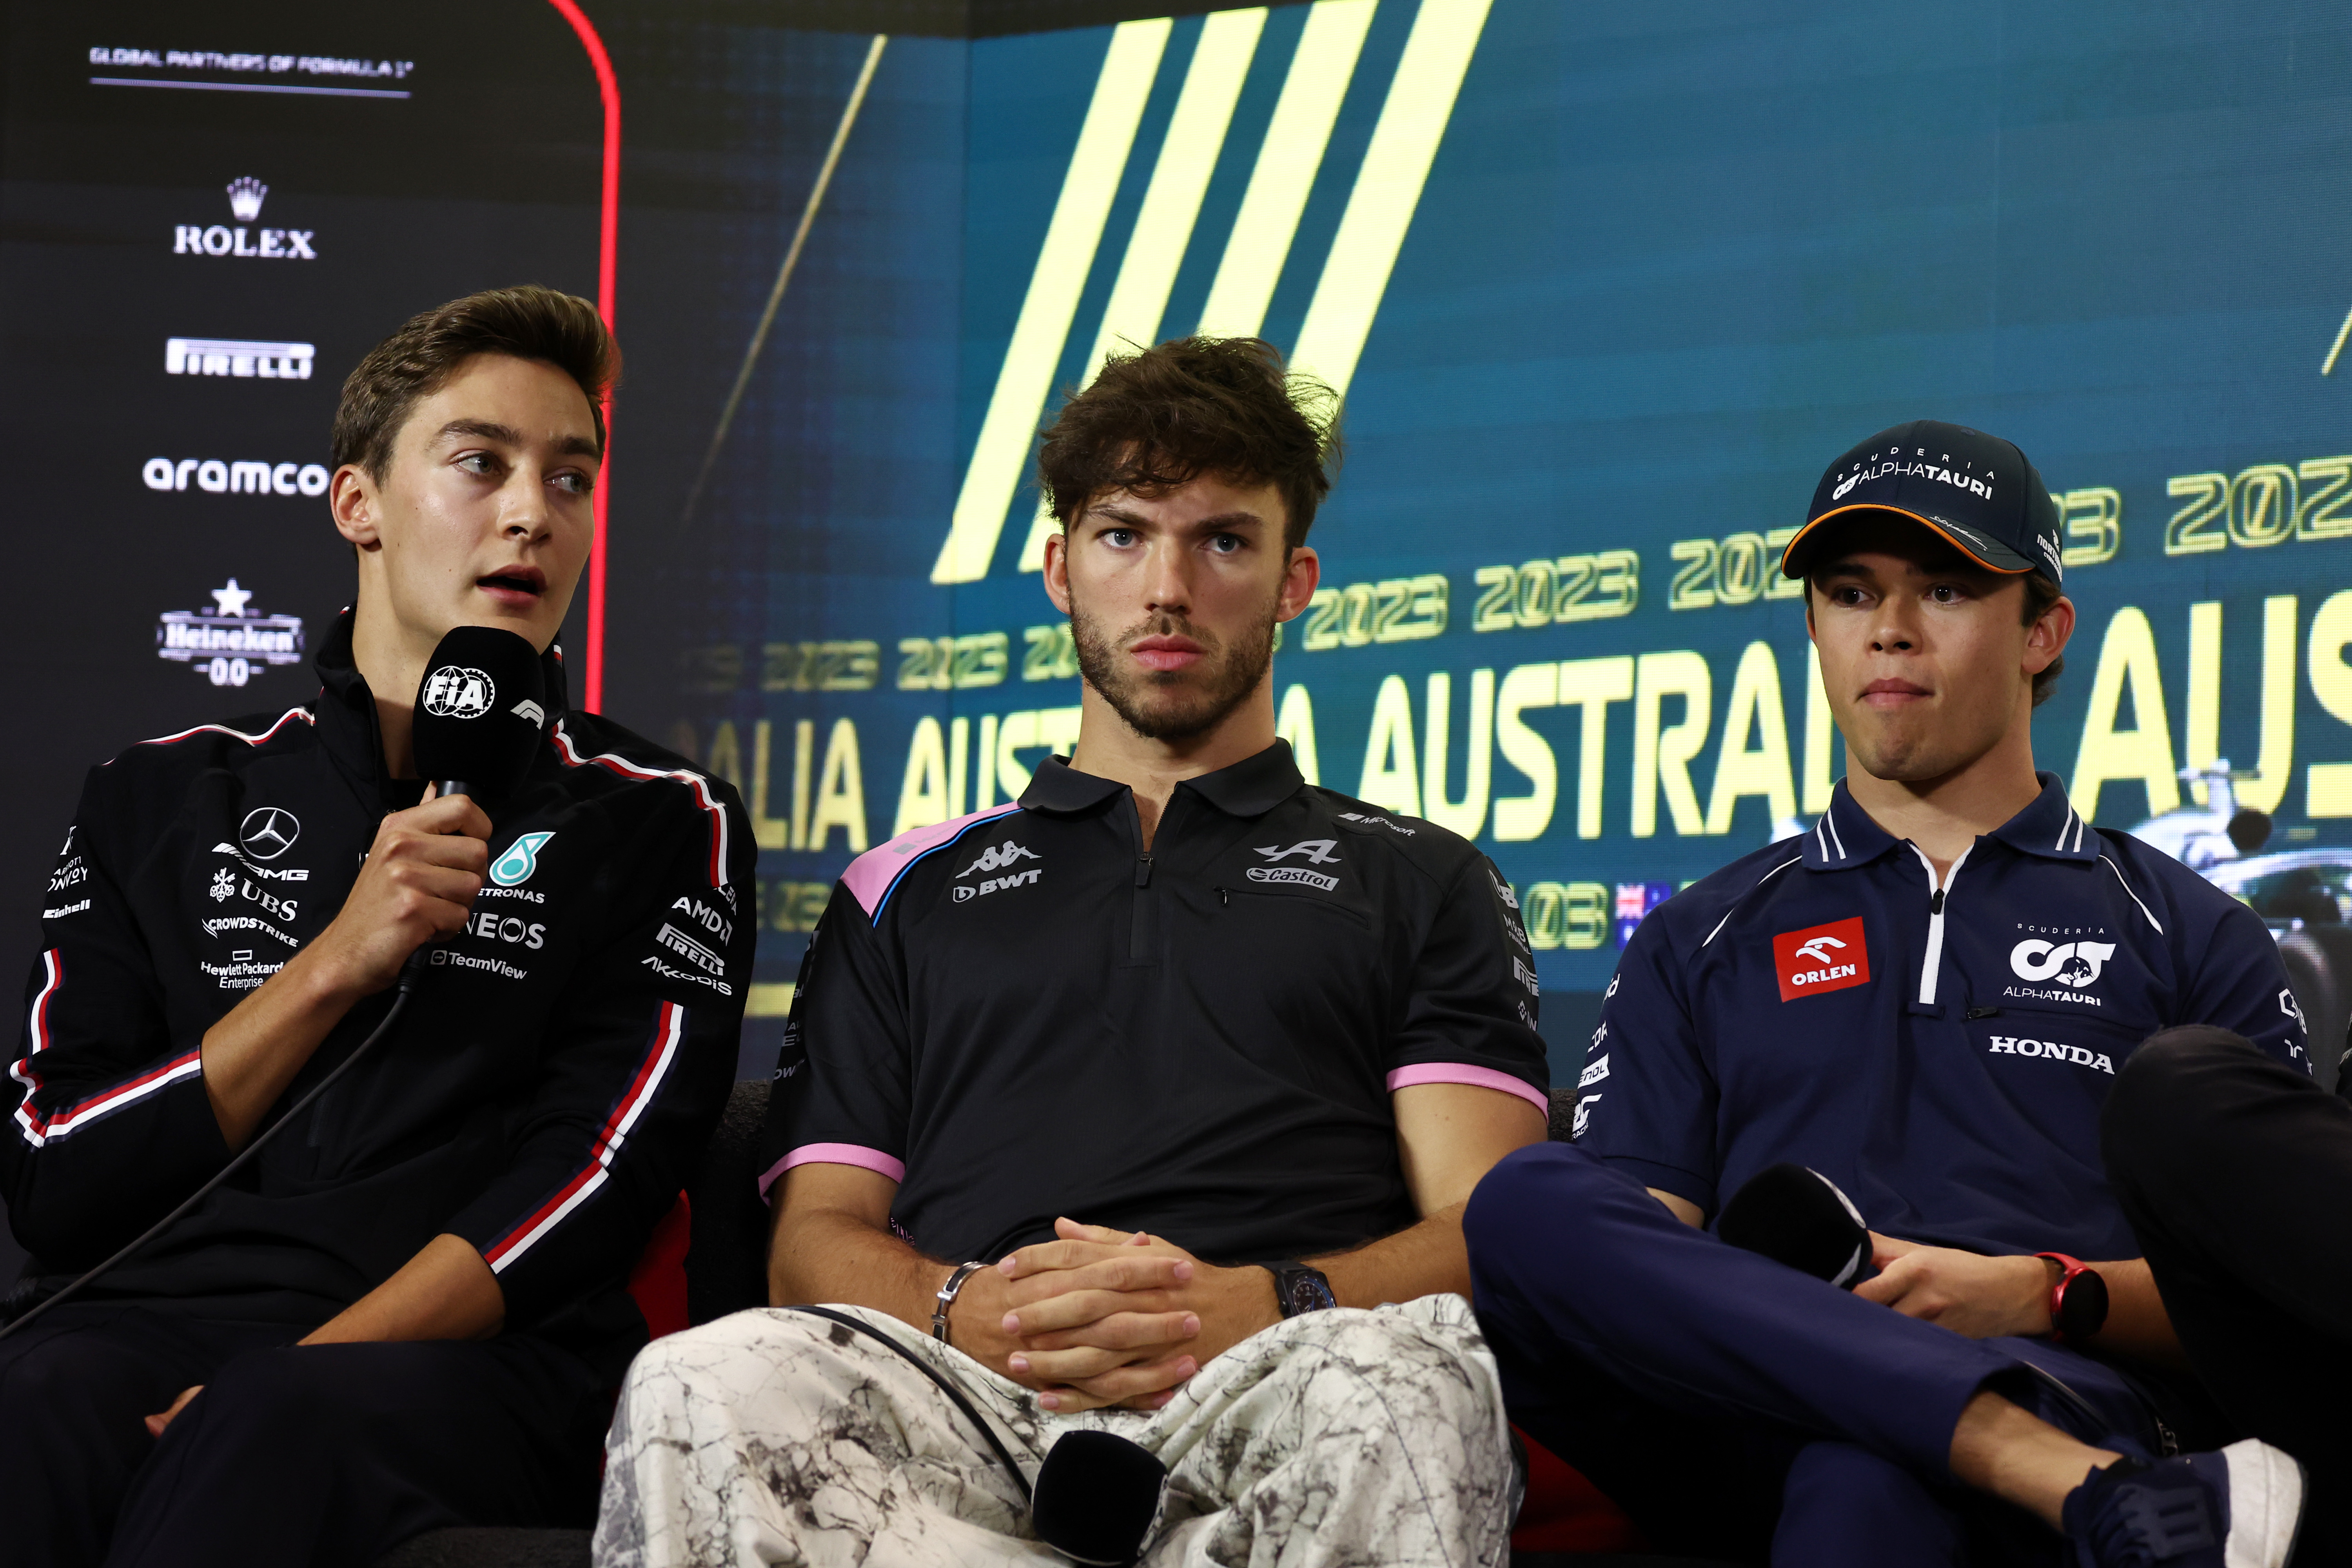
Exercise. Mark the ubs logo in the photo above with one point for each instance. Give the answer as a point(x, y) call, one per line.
point(458, 691)
point(269, 832)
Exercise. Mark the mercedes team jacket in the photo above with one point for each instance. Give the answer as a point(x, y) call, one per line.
point(545, 1098)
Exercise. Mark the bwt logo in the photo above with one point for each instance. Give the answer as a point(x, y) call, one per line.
point(2074, 964)
point(965, 891)
point(1820, 958)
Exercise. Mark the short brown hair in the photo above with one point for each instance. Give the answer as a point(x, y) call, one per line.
point(1162, 416)
point(416, 361)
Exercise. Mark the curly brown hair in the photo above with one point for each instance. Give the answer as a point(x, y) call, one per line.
point(1161, 417)
point(527, 321)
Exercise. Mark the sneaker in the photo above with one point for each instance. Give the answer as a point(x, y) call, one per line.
point(2238, 1507)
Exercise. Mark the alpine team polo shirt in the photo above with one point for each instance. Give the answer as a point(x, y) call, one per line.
point(1023, 1014)
point(1942, 1056)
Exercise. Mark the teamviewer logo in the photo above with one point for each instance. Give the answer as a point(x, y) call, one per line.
point(1820, 958)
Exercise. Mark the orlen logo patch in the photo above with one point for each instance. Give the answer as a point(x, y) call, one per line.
point(1820, 958)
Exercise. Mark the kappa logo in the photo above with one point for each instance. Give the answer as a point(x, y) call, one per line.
point(268, 831)
point(1317, 850)
point(998, 858)
point(2075, 964)
point(520, 860)
point(1820, 958)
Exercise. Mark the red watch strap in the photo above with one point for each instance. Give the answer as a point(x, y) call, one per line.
point(2067, 1268)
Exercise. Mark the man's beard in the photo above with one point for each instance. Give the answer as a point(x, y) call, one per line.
point(1185, 709)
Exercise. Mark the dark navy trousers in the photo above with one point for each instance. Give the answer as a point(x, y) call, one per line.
point(1736, 1407)
point(326, 1455)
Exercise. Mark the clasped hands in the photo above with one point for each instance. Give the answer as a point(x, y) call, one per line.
point(1103, 1317)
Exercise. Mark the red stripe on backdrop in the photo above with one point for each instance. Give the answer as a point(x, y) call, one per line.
point(608, 231)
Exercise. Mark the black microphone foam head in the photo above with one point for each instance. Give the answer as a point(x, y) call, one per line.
point(480, 711)
point(1798, 1217)
point(1097, 1497)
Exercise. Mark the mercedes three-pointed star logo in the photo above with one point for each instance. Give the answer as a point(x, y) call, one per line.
point(268, 831)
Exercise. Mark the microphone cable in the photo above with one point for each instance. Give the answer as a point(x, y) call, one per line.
point(409, 972)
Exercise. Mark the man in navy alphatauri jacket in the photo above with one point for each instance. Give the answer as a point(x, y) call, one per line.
point(410, 1310)
point(1924, 998)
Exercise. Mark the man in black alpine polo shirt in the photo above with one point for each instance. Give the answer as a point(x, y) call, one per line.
point(1193, 1062)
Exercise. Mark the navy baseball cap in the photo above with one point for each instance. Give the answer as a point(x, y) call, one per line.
point(1977, 490)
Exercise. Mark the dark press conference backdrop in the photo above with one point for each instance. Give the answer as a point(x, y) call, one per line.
point(1605, 287)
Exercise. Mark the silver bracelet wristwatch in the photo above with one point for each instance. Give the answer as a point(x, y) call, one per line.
point(947, 1299)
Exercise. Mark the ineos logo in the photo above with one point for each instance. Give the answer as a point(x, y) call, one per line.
point(269, 832)
point(458, 691)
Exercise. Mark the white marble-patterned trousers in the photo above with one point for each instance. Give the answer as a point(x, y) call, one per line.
point(1342, 1438)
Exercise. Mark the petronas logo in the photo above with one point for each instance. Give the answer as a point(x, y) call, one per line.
point(1355, 272)
point(519, 861)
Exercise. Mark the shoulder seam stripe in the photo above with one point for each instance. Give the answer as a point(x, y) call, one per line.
point(1743, 898)
point(302, 713)
point(978, 820)
point(614, 763)
point(2118, 871)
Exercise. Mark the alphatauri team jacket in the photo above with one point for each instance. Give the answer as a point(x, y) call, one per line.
point(545, 1097)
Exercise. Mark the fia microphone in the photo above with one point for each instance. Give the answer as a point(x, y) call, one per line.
point(481, 711)
point(1097, 1497)
point(1798, 1217)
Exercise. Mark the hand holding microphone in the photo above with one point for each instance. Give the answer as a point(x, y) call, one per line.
point(422, 873)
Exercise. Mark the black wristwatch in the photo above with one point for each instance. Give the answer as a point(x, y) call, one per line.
point(1299, 1289)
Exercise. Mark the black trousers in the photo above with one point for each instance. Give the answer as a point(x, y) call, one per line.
point(325, 1455)
point(2236, 1174)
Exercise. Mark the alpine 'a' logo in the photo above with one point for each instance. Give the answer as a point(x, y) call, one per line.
point(1820, 958)
point(458, 691)
point(1317, 850)
point(998, 858)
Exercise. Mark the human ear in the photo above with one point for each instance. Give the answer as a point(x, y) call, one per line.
point(1300, 573)
point(1057, 570)
point(2046, 639)
point(354, 502)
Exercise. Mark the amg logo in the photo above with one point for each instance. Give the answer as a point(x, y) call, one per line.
point(1293, 874)
point(687, 948)
point(966, 893)
point(2050, 1050)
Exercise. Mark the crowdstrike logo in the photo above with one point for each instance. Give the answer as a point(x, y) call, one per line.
point(236, 357)
point(245, 196)
point(998, 858)
point(218, 476)
point(231, 642)
point(1820, 958)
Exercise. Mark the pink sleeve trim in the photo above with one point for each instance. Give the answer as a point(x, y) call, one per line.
point(870, 875)
point(834, 1155)
point(1463, 1072)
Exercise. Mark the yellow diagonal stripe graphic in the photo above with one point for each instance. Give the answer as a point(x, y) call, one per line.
point(1044, 325)
point(1286, 165)
point(1171, 204)
point(1387, 187)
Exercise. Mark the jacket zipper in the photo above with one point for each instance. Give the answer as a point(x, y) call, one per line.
point(1137, 947)
point(1935, 959)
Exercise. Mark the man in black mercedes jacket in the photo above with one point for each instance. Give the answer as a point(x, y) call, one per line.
point(410, 1313)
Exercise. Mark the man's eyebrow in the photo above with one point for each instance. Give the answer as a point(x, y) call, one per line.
point(507, 436)
point(1224, 519)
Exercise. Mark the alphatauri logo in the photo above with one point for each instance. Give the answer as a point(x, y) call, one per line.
point(1820, 958)
point(2074, 964)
